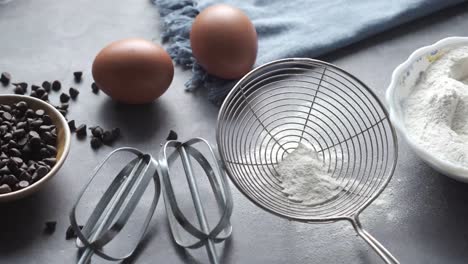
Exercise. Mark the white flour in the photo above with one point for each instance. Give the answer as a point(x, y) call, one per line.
point(305, 177)
point(436, 112)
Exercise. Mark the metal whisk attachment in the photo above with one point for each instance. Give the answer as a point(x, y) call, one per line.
point(200, 234)
point(282, 104)
point(116, 205)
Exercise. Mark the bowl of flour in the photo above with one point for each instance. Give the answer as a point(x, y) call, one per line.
point(428, 104)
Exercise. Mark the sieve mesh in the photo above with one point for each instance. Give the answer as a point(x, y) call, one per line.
point(286, 102)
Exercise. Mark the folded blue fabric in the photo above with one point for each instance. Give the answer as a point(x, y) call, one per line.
point(289, 28)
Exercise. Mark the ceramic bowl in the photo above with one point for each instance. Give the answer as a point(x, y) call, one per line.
point(63, 142)
point(403, 81)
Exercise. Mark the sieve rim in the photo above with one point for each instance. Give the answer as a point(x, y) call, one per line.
point(379, 104)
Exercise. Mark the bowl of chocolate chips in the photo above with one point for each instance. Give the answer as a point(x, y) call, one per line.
point(34, 143)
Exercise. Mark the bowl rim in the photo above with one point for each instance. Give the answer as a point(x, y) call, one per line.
point(440, 164)
point(66, 148)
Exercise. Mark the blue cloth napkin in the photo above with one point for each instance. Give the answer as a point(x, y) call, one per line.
point(289, 28)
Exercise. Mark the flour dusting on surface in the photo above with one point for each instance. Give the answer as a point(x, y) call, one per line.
point(305, 177)
point(436, 112)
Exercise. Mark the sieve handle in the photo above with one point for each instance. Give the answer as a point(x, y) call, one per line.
point(379, 249)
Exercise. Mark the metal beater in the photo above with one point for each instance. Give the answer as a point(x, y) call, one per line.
point(116, 205)
point(118, 202)
point(203, 235)
point(283, 103)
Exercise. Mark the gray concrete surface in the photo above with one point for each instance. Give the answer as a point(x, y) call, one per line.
point(421, 217)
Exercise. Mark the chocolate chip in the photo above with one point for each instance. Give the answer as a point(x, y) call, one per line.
point(97, 131)
point(50, 161)
point(22, 106)
point(116, 132)
point(34, 87)
point(95, 142)
point(33, 94)
point(4, 170)
point(107, 137)
point(19, 133)
point(70, 233)
point(172, 135)
point(56, 85)
point(25, 176)
point(46, 85)
point(10, 179)
point(52, 150)
point(64, 97)
point(47, 120)
point(50, 227)
point(18, 90)
point(40, 112)
point(94, 88)
point(73, 92)
point(45, 97)
point(40, 92)
point(5, 78)
point(22, 85)
point(34, 135)
point(41, 171)
point(77, 75)
point(23, 184)
point(81, 131)
point(14, 152)
point(71, 125)
point(7, 116)
point(4, 188)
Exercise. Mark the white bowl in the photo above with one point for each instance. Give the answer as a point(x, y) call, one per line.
point(403, 81)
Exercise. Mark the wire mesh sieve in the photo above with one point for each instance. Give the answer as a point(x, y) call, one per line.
point(284, 103)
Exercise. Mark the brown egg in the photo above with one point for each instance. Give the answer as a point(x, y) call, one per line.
point(133, 71)
point(224, 41)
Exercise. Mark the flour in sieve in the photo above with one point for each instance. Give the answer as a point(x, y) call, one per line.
point(305, 177)
point(436, 112)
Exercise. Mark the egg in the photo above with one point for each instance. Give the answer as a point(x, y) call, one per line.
point(224, 41)
point(133, 71)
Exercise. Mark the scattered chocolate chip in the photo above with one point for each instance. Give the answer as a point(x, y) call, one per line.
point(77, 75)
point(172, 135)
point(33, 94)
point(97, 131)
point(116, 132)
point(73, 92)
point(34, 87)
point(107, 137)
point(18, 90)
point(64, 97)
point(71, 125)
point(70, 233)
point(47, 86)
point(5, 78)
point(81, 131)
point(96, 142)
point(22, 85)
point(40, 92)
point(45, 97)
point(94, 88)
point(50, 227)
point(56, 85)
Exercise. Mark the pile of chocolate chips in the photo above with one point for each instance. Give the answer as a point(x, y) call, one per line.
point(99, 136)
point(28, 144)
